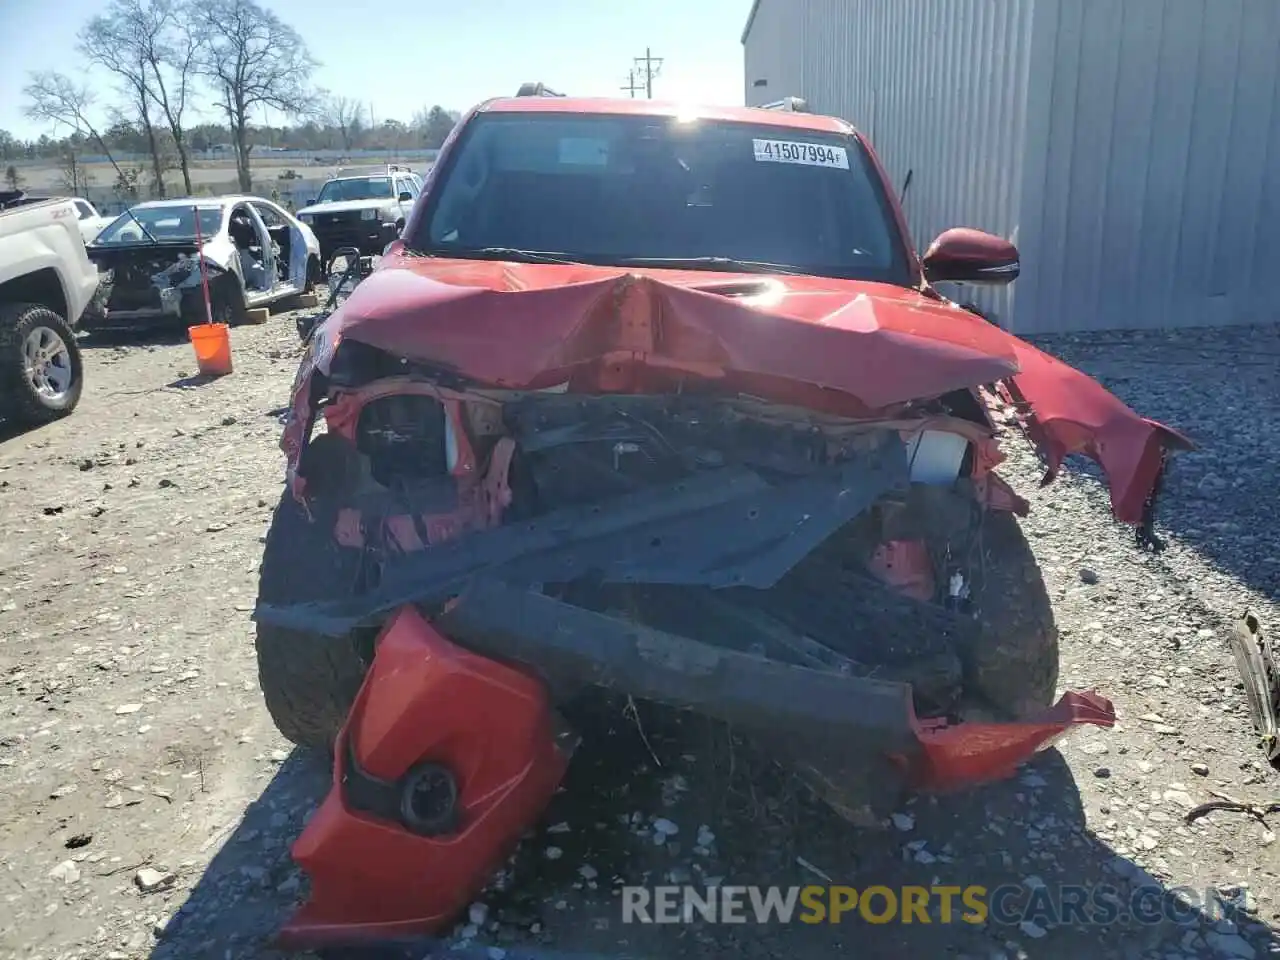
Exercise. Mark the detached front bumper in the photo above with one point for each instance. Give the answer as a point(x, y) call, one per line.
point(445, 759)
point(448, 756)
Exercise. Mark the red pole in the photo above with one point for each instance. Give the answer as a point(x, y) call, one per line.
point(204, 273)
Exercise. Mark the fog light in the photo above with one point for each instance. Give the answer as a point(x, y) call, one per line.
point(429, 800)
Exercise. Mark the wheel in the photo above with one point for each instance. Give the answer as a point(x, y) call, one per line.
point(308, 681)
point(41, 372)
point(1013, 666)
point(226, 303)
point(227, 300)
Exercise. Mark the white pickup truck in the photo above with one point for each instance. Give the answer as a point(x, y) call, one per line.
point(46, 281)
point(91, 221)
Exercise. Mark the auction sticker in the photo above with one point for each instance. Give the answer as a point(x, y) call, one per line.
point(809, 154)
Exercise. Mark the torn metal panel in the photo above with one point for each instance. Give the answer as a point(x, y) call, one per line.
point(1066, 412)
point(960, 754)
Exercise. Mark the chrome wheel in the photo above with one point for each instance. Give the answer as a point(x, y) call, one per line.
point(47, 361)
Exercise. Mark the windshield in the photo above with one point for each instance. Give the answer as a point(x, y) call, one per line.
point(621, 189)
point(356, 188)
point(162, 223)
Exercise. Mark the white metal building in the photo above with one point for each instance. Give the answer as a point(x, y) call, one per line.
point(1131, 148)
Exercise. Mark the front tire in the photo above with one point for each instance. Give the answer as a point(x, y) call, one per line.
point(41, 370)
point(226, 303)
point(309, 681)
point(1013, 666)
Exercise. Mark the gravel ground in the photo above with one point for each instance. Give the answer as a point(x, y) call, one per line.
point(133, 737)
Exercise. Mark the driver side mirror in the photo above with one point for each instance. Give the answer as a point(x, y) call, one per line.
point(405, 196)
point(964, 255)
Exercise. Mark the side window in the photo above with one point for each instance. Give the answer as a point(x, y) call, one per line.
point(402, 186)
point(269, 216)
point(412, 185)
point(84, 210)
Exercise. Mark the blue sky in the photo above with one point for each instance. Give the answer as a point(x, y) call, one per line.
point(400, 57)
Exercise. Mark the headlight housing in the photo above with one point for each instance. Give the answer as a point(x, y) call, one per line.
point(369, 214)
point(305, 217)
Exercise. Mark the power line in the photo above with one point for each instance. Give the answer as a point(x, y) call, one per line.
point(652, 67)
point(631, 86)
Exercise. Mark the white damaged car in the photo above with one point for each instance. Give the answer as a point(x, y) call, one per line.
point(255, 253)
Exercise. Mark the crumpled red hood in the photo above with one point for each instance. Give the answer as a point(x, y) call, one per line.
point(533, 326)
point(528, 326)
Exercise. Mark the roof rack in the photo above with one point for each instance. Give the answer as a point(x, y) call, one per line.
point(789, 104)
point(536, 90)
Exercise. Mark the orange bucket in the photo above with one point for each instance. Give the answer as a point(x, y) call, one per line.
point(212, 342)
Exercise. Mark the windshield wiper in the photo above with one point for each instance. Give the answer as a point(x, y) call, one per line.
point(141, 226)
point(728, 264)
point(496, 253)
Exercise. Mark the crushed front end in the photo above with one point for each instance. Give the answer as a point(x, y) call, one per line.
point(844, 581)
point(148, 286)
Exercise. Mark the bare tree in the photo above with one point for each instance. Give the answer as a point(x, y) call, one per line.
point(114, 41)
point(168, 46)
point(344, 115)
point(256, 61)
point(75, 178)
point(52, 97)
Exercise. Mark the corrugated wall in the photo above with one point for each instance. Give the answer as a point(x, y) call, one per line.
point(1130, 147)
point(774, 50)
point(938, 86)
point(1152, 188)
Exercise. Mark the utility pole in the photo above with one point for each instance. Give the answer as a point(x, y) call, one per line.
point(652, 67)
point(631, 86)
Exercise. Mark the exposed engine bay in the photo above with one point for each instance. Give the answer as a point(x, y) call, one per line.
point(866, 580)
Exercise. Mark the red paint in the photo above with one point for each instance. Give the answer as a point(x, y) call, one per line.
point(593, 106)
point(425, 699)
point(840, 346)
point(958, 755)
point(531, 326)
point(1067, 412)
point(966, 245)
point(905, 566)
point(966, 255)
